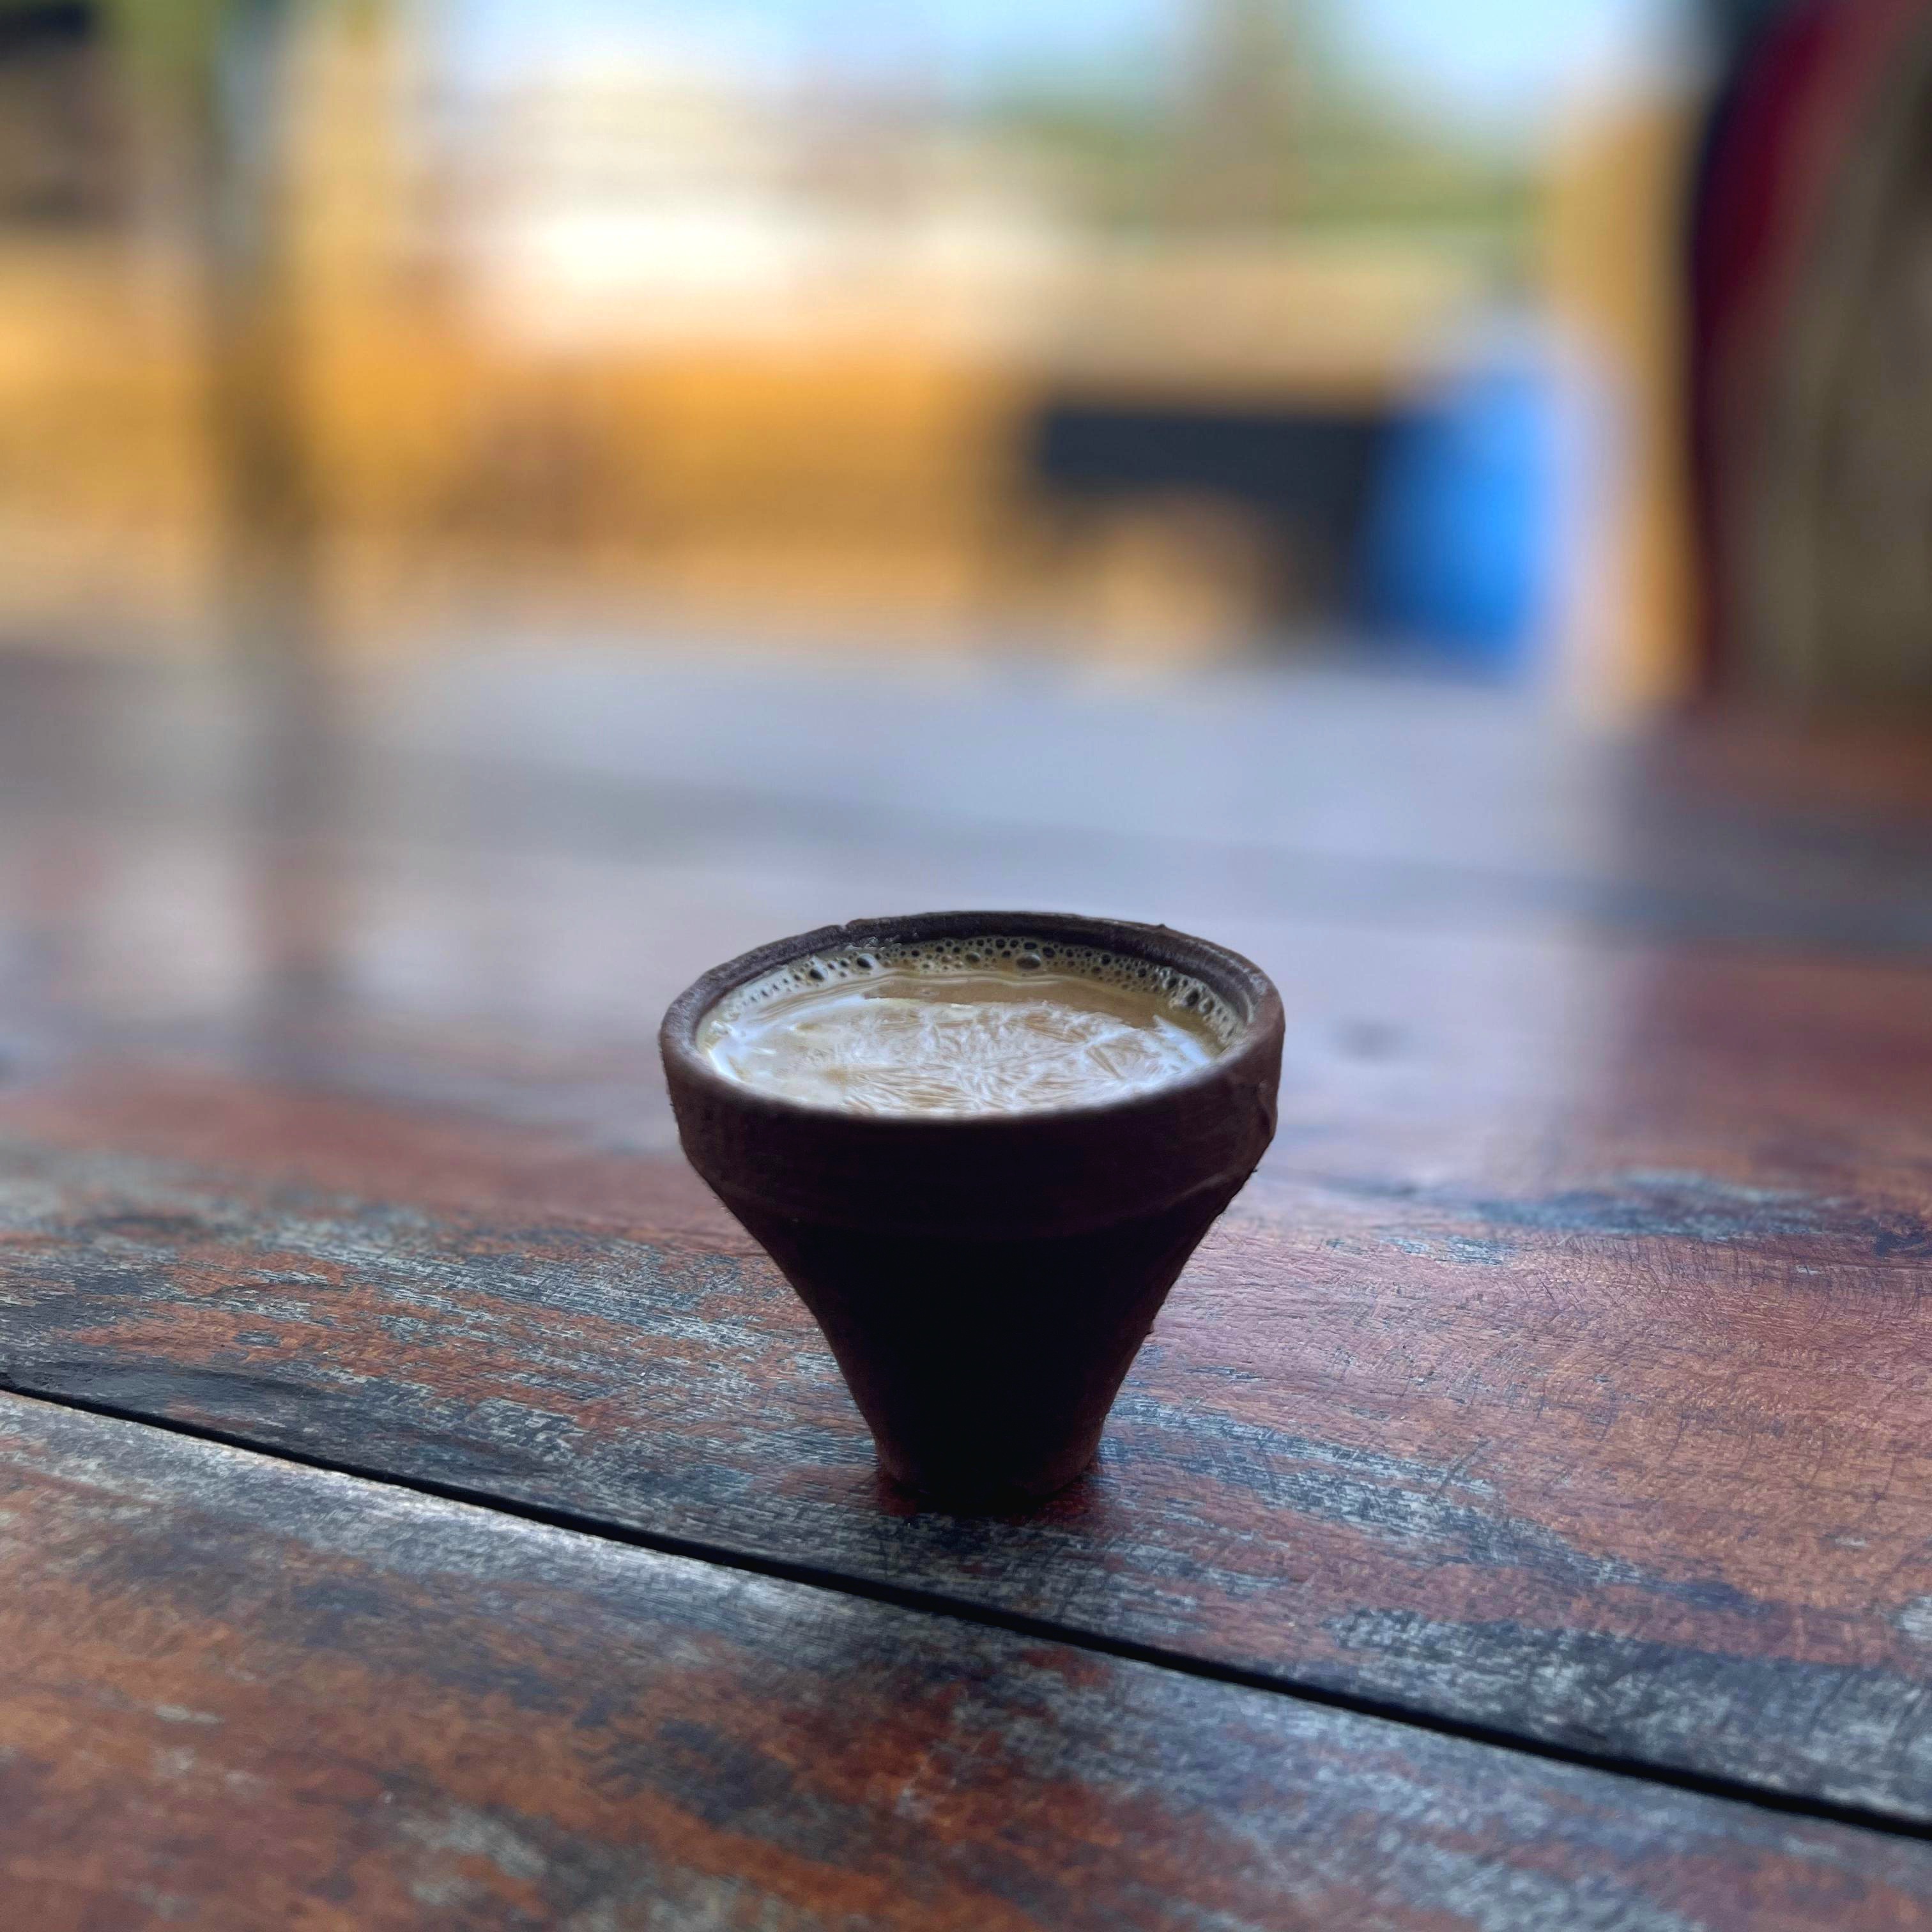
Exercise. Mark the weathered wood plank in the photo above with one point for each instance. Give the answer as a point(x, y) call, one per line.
point(1567, 1372)
point(1634, 1460)
point(236, 1693)
point(772, 799)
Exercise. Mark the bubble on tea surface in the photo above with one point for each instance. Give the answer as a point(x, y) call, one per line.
point(991, 1023)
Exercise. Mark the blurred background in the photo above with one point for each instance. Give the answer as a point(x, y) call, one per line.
point(503, 506)
point(1148, 332)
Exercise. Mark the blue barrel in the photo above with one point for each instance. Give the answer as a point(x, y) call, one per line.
point(1458, 547)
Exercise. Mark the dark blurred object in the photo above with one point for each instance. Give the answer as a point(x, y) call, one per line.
point(1811, 357)
point(1304, 474)
point(61, 159)
point(1732, 25)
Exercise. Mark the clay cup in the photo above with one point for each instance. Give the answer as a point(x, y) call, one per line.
point(985, 1281)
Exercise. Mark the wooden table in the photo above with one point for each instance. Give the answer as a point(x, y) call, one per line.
point(419, 1504)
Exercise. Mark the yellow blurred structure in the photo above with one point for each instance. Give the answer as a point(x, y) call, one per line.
point(1615, 239)
point(106, 514)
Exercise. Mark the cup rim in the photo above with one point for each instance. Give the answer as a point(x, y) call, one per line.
point(1257, 1001)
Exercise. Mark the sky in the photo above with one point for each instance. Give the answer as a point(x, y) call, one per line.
point(1496, 65)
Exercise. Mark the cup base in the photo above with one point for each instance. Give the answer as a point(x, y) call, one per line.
point(969, 1492)
point(984, 1370)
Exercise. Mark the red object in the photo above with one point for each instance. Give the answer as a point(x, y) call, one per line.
point(1778, 137)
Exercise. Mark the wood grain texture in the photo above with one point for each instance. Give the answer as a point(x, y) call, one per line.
point(1637, 1465)
point(1567, 1371)
point(238, 1693)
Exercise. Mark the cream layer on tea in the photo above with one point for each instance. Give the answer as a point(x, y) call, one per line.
point(999, 1025)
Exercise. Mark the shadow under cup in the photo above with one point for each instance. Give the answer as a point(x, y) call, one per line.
point(985, 1280)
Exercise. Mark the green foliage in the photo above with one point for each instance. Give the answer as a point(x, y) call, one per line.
point(1323, 146)
point(171, 45)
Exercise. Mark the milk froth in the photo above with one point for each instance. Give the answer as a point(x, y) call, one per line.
point(996, 1024)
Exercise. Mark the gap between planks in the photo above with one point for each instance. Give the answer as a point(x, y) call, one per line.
point(934, 1603)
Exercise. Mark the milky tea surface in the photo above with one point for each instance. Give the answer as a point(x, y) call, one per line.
point(996, 1025)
